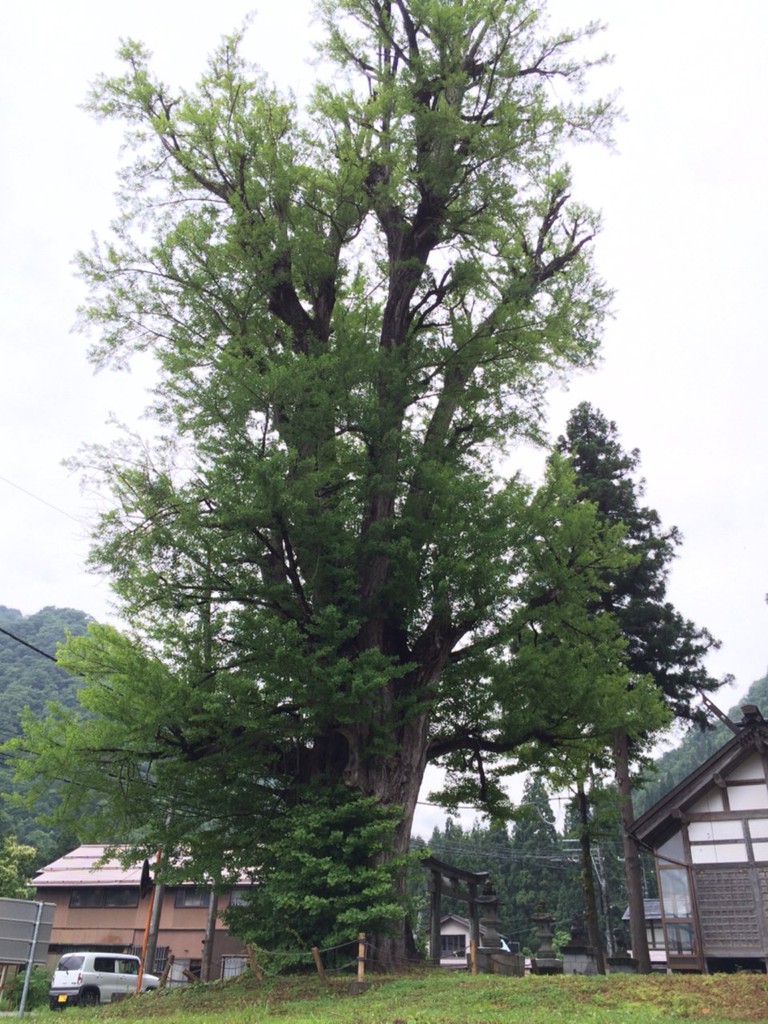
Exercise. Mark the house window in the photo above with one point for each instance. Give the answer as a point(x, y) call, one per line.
point(654, 934)
point(86, 898)
point(231, 966)
point(675, 893)
point(673, 848)
point(161, 957)
point(680, 938)
point(677, 910)
point(192, 897)
point(453, 945)
point(124, 896)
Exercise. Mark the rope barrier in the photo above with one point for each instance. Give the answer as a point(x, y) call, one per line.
point(364, 948)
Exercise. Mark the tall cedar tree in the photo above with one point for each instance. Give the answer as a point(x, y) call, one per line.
point(355, 311)
point(661, 644)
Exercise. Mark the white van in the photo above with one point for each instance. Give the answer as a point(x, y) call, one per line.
point(86, 979)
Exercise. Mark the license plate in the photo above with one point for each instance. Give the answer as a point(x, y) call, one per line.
point(61, 999)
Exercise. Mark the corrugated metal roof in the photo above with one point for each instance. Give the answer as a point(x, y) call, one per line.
point(80, 868)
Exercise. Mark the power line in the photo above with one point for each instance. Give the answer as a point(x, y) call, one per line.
point(37, 497)
point(32, 647)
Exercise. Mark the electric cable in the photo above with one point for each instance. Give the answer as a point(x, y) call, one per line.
point(32, 647)
point(41, 500)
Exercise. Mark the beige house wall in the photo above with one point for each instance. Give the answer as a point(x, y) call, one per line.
point(181, 928)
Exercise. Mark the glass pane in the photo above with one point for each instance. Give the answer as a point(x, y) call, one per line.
point(71, 962)
point(454, 944)
point(192, 897)
point(680, 938)
point(127, 896)
point(87, 898)
point(675, 895)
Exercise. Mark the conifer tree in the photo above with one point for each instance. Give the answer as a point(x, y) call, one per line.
point(662, 645)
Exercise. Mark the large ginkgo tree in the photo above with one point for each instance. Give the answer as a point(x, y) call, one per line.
point(329, 571)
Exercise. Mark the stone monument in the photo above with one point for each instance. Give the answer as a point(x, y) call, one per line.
point(545, 961)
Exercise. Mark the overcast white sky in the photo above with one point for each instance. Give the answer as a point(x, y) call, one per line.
point(684, 245)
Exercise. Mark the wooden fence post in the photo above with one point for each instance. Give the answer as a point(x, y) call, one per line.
point(361, 956)
point(166, 970)
point(319, 965)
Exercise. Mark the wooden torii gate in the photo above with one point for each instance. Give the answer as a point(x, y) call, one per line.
point(445, 880)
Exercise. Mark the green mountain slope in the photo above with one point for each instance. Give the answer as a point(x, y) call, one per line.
point(29, 679)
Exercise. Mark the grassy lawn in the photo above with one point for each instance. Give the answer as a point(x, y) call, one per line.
point(443, 997)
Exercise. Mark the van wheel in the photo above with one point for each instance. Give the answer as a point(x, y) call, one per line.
point(90, 997)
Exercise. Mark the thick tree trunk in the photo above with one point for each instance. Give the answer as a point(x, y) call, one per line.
point(395, 781)
point(632, 865)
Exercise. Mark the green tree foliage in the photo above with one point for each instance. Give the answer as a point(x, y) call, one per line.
point(607, 859)
point(16, 865)
point(355, 311)
point(323, 879)
point(661, 643)
point(539, 867)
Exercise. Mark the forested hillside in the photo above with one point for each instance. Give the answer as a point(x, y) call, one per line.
point(29, 679)
point(694, 748)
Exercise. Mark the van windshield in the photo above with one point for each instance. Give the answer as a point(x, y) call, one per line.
point(71, 962)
